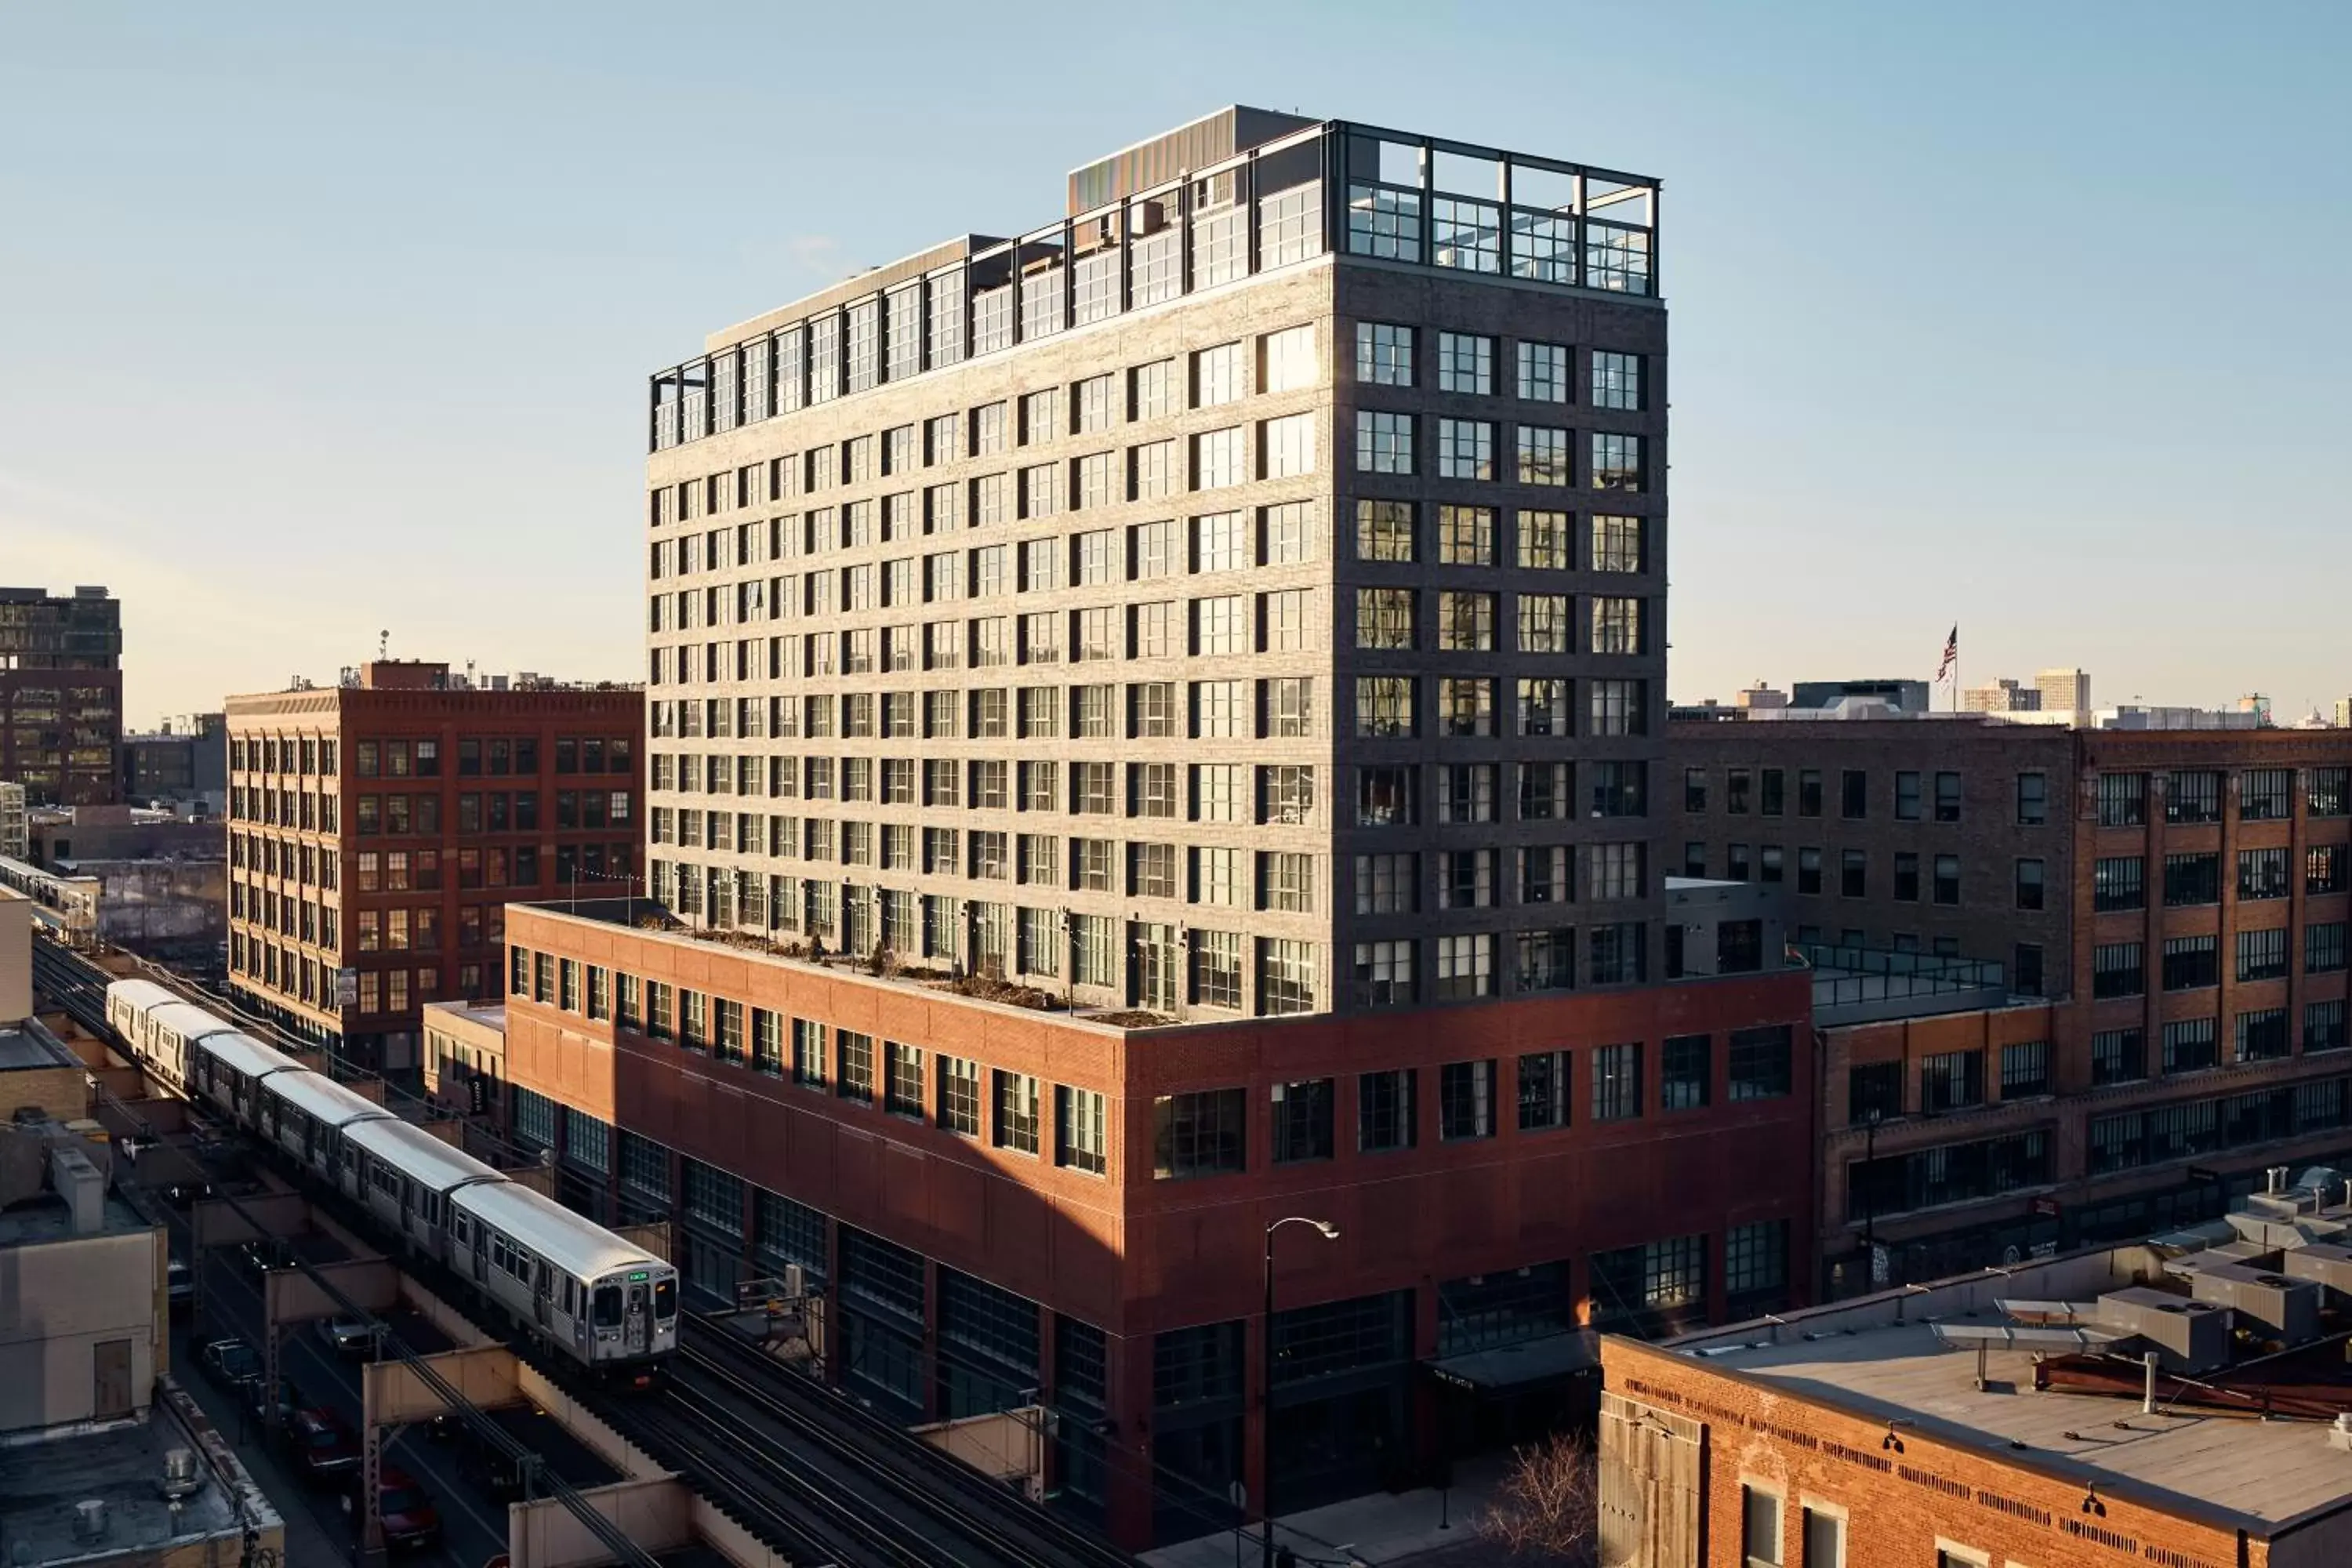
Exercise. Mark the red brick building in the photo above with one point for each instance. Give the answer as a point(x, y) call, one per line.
point(2167, 910)
point(1003, 1199)
point(377, 831)
point(1989, 1421)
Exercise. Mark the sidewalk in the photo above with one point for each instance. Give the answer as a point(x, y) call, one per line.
point(1379, 1530)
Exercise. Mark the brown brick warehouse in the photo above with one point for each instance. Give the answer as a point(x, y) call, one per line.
point(1208, 655)
point(2177, 899)
point(378, 830)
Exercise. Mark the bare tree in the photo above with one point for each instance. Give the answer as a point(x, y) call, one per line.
point(1548, 1509)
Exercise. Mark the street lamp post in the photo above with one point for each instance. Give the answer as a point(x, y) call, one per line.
point(1329, 1232)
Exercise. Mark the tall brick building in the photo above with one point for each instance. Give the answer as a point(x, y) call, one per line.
point(1152, 732)
point(2167, 910)
point(378, 829)
point(60, 694)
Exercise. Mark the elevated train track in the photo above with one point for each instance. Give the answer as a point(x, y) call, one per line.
point(818, 1477)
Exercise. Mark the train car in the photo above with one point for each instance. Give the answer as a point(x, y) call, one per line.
point(405, 1176)
point(606, 1303)
point(128, 1003)
point(306, 1113)
point(168, 1030)
point(224, 1071)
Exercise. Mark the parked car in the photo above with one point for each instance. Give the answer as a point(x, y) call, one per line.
point(257, 1402)
point(229, 1362)
point(324, 1447)
point(180, 1195)
point(349, 1336)
point(410, 1519)
point(179, 1288)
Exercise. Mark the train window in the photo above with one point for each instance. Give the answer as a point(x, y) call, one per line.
point(665, 1300)
point(607, 1307)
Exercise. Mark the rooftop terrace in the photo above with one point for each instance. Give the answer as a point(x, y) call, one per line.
point(1239, 193)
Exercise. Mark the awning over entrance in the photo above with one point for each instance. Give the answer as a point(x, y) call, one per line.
point(1518, 1366)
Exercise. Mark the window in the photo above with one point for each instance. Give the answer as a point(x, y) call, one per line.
point(2330, 792)
point(1853, 868)
point(1385, 973)
point(2190, 1044)
point(2117, 970)
point(1685, 1072)
point(1465, 962)
point(2029, 884)
point(1081, 1140)
point(2117, 883)
point(2193, 880)
point(2117, 1057)
point(1953, 1080)
point(1824, 1540)
point(1016, 1112)
point(1466, 364)
point(1383, 354)
point(1543, 373)
point(1906, 797)
point(1198, 1133)
point(1617, 463)
point(1466, 535)
point(1760, 1529)
point(1542, 456)
point(2032, 799)
point(1384, 1110)
point(1854, 795)
point(1543, 1090)
point(2261, 1035)
point(1948, 798)
point(1302, 1122)
point(2262, 954)
point(2322, 947)
point(1384, 530)
point(1759, 1061)
point(1384, 618)
point(958, 1094)
point(2024, 1069)
point(2266, 794)
point(1465, 450)
point(1383, 442)
point(2191, 963)
point(2193, 795)
point(1465, 1100)
point(1616, 381)
point(2263, 874)
point(2323, 1026)
point(1616, 1082)
point(2323, 868)
point(1947, 879)
point(2123, 800)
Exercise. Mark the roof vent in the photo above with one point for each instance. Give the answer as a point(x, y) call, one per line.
point(89, 1518)
point(181, 1477)
point(2339, 1435)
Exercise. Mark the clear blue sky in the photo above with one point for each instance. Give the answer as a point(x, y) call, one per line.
point(318, 320)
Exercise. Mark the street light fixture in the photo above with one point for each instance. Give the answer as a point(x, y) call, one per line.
point(1329, 1232)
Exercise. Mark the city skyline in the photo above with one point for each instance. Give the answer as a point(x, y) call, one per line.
point(461, 245)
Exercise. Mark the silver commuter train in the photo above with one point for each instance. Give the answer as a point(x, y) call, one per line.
point(602, 1301)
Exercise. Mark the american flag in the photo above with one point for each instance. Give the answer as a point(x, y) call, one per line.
point(1951, 653)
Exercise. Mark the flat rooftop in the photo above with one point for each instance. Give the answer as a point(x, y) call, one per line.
point(43, 1480)
point(45, 1218)
point(26, 1045)
point(1880, 1358)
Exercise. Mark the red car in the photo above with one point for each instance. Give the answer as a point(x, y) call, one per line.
point(324, 1446)
point(406, 1508)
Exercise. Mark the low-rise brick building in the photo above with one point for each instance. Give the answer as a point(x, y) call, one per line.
point(1001, 1200)
point(2129, 1405)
